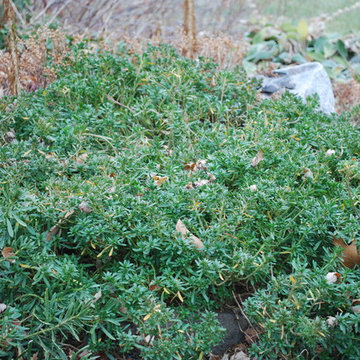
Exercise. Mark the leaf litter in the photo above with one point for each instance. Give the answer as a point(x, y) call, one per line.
point(184, 231)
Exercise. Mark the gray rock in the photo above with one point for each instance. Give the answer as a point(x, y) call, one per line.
point(235, 325)
point(303, 80)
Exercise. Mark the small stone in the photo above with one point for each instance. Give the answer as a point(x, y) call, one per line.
point(330, 152)
point(331, 277)
point(10, 136)
point(253, 188)
point(2, 308)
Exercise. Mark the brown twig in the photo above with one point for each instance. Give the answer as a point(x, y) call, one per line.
point(120, 104)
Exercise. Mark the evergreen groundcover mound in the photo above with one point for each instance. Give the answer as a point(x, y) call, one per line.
point(97, 170)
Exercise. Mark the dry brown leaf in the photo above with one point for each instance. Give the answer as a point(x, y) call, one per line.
point(81, 158)
point(308, 174)
point(194, 240)
point(212, 177)
point(350, 255)
point(259, 157)
point(52, 232)
point(196, 166)
point(8, 253)
point(97, 296)
point(153, 286)
point(35, 356)
point(201, 182)
point(84, 207)
point(56, 228)
point(159, 180)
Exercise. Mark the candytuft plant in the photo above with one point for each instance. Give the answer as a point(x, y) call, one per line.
point(101, 166)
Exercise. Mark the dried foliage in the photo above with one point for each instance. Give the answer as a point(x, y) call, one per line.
point(347, 95)
point(32, 56)
point(9, 21)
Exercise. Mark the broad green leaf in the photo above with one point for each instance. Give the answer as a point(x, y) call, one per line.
point(303, 30)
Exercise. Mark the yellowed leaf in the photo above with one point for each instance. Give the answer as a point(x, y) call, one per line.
point(111, 251)
point(84, 207)
point(303, 30)
point(259, 157)
point(179, 296)
point(159, 180)
point(147, 317)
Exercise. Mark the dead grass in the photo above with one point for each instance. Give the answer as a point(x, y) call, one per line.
point(347, 95)
point(33, 52)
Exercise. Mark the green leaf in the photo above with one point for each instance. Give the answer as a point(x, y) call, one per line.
point(303, 30)
point(340, 46)
point(19, 220)
point(10, 228)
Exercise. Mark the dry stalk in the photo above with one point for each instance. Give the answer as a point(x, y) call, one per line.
point(14, 76)
point(190, 27)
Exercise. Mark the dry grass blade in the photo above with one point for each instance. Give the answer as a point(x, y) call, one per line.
point(120, 104)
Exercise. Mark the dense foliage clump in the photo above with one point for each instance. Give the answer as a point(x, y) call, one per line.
point(94, 179)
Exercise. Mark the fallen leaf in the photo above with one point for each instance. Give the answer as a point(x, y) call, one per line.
point(10, 136)
point(81, 158)
point(159, 180)
point(97, 296)
point(239, 356)
point(123, 309)
point(8, 253)
point(212, 177)
point(308, 174)
point(331, 321)
point(84, 207)
point(194, 240)
point(196, 166)
point(189, 186)
point(36, 356)
point(153, 286)
point(259, 157)
point(2, 308)
point(200, 182)
point(56, 228)
point(52, 232)
point(350, 255)
point(355, 309)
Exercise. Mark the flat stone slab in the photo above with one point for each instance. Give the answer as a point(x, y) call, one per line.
point(235, 325)
point(303, 80)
